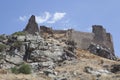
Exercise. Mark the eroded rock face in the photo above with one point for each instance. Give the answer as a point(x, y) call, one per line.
point(32, 26)
point(115, 68)
point(101, 51)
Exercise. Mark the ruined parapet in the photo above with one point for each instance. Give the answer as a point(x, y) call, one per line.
point(32, 26)
point(69, 34)
point(44, 29)
point(100, 34)
point(82, 39)
point(60, 34)
point(46, 32)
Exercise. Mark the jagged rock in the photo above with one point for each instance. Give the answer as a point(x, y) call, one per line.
point(21, 38)
point(71, 46)
point(101, 51)
point(16, 58)
point(32, 26)
point(115, 68)
point(36, 38)
point(96, 72)
point(49, 72)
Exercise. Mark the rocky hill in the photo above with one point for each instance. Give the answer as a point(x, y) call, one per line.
point(47, 54)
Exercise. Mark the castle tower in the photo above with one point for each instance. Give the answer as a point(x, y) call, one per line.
point(100, 34)
point(32, 26)
point(102, 38)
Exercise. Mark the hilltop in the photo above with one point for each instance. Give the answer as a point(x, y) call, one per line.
point(46, 54)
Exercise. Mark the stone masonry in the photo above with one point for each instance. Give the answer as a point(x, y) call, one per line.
point(98, 36)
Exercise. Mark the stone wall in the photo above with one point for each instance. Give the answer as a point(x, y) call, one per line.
point(109, 42)
point(102, 37)
point(98, 36)
point(83, 39)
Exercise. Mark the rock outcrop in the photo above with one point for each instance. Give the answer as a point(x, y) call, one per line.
point(83, 40)
point(101, 51)
point(60, 54)
point(32, 26)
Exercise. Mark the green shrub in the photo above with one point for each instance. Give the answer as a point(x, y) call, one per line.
point(2, 56)
point(17, 44)
point(19, 33)
point(2, 47)
point(25, 69)
point(2, 37)
point(14, 70)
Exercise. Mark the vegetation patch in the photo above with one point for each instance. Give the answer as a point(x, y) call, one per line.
point(19, 33)
point(2, 47)
point(2, 37)
point(14, 70)
point(24, 68)
point(17, 44)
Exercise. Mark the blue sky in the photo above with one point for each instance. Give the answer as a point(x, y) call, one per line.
point(62, 14)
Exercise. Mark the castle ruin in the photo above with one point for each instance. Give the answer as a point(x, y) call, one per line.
point(98, 36)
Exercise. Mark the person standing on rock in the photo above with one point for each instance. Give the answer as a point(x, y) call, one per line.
point(27, 51)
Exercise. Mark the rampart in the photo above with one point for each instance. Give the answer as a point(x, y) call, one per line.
point(98, 36)
point(84, 39)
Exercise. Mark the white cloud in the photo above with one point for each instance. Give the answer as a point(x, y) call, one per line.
point(47, 17)
point(44, 18)
point(89, 29)
point(22, 18)
point(57, 16)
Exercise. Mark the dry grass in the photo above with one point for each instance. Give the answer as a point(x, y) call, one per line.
point(84, 58)
point(22, 77)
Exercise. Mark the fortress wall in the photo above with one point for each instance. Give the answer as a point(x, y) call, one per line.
point(102, 38)
point(109, 42)
point(100, 34)
point(59, 31)
point(82, 39)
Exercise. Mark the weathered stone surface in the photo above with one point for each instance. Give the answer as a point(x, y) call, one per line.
point(96, 72)
point(101, 51)
point(32, 26)
point(16, 60)
point(44, 29)
point(21, 38)
point(115, 68)
point(83, 40)
point(102, 37)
